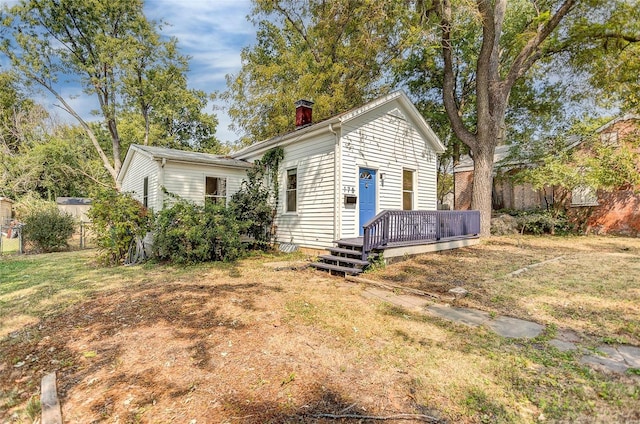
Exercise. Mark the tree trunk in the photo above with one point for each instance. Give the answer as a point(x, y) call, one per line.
point(483, 185)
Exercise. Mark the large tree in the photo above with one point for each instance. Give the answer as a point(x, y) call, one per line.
point(113, 53)
point(335, 53)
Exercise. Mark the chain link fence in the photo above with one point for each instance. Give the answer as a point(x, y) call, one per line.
point(12, 242)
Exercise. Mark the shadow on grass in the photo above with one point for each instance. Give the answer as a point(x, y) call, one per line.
point(42, 348)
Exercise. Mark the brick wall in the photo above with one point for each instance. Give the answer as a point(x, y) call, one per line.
point(463, 182)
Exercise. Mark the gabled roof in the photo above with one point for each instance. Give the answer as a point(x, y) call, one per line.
point(73, 201)
point(183, 156)
point(6, 199)
point(502, 160)
point(338, 120)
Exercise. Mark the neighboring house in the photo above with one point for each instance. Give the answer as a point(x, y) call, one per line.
point(336, 175)
point(6, 206)
point(77, 207)
point(604, 212)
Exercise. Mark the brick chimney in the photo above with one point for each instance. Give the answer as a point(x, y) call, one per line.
point(304, 110)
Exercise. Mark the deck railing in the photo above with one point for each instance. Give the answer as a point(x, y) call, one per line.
point(413, 226)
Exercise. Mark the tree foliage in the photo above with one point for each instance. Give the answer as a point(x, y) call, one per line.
point(256, 203)
point(482, 72)
point(114, 54)
point(335, 53)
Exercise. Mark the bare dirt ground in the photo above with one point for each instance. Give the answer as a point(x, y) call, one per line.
point(204, 349)
point(244, 343)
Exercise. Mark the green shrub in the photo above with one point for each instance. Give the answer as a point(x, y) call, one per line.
point(47, 229)
point(255, 204)
point(189, 233)
point(117, 219)
point(540, 221)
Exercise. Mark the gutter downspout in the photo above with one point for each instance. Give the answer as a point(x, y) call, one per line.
point(337, 172)
point(160, 188)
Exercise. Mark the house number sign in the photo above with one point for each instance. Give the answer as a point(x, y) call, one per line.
point(348, 189)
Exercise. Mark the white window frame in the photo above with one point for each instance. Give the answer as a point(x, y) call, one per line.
point(412, 191)
point(145, 192)
point(584, 196)
point(216, 196)
point(288, 190)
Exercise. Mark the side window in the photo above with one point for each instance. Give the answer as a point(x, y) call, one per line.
point(216, 190)
point(407, 190)
point(292, 190)
point(145, 192)
point(584, 196)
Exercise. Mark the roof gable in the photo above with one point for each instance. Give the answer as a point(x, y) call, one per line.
point(183, 156)
point(404, 108)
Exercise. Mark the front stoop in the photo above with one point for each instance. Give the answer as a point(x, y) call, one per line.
point(345, 259)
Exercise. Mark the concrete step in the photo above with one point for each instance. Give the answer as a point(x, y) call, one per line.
point(336, 268)
point(342, 259)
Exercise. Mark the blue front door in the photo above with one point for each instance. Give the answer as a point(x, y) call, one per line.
point(367, 196)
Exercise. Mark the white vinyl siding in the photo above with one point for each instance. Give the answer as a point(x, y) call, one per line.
point(312, 224)
point(189, 180)
point(142, 167)
point(387, 142)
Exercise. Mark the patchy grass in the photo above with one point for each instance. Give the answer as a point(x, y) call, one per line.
point(243, 343)
point(592, 287)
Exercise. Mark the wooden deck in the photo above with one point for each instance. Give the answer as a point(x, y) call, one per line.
point(395, 234)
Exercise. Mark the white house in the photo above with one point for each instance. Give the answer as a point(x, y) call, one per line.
point(336, 175)
point(190, 175)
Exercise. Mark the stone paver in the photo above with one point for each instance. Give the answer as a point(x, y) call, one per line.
point(604, 364)
point(617, 359)
point(515, 328)
point(563, 346)
point(631, 355)
point(470, 317)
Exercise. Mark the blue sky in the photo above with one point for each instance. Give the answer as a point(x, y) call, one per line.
point(211, 32)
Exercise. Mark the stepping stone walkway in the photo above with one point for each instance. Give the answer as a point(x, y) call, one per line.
point(616, 359)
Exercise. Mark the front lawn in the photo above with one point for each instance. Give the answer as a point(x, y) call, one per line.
point(244, 343)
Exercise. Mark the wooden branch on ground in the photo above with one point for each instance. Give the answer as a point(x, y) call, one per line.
point(419, 417)
point(51, 413)
point(393, 287)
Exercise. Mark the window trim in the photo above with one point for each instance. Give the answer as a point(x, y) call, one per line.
point(589, 196)
point(145, 192)
point(412, 191)
point(287, 190)
point(208, 197)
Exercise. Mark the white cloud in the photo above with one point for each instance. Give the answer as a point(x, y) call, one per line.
point(212, 33)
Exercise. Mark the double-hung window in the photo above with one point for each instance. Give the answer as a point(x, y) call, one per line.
point(145, 192)
point(407, 190)
point(216, 190)
point(292, 190)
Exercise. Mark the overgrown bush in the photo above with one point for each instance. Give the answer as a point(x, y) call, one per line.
point(535, 221)
point(117, 219)
point(190, 233)
point(47, 229)
point(254, 205)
